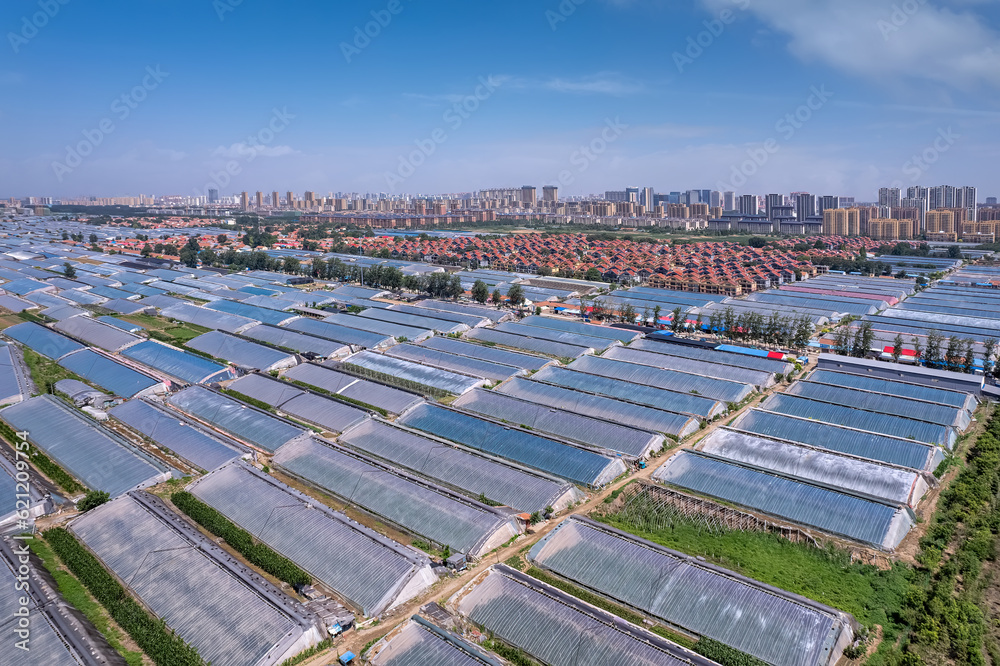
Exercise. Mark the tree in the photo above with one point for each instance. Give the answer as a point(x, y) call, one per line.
point(933, 354)
point(918, 349)
point(515, 295)
point(147, 250)
point(675, 320)
point(954, 252)
point(952, 354)
point(729, 321)
point(628, 313)
point(65, 236)
point(496, 298)
point(989, 347)
point(68, 270)
point(208, 256)
point(842, 341)
point(897, 347)
point(453, 288)
point(968, 357)
point(290, 265)
point(757, 241)
point(189, 257)
point(593, 275)
point(480, 292)
point(656, 316)
point(93, 238)
point(863, 339)
point(221, 239)
point(92, 500)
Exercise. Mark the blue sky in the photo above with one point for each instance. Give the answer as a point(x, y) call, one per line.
point(588, 94)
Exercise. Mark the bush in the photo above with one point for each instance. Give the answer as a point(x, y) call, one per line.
point(724, 655)
point(257, 553)
point(149, 632)
point(92, 500)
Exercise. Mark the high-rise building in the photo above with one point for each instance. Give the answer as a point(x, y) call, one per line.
point(729, 200)
point(772, 201)
point(550, 193)
point(748, 204)
point(259, 200)
point(528, 195)
point(826, 202)
point(805, 205)
point(309, 199)
point(888, 196)
point(841, 222)
point(244, 201)
point(275, 199)
point(991, 201)
point(965, 197)
point(715, 199)
point(916, 192)
point(290, 200)
point(941, 225)
point(632, 194)
point(647, 197)
point(213, 196)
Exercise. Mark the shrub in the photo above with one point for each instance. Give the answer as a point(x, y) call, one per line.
point(92, 500)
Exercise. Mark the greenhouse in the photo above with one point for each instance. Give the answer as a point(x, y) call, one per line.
point(853, 442)
point(112, 376)
point(956, 399)
point(579, 328)
point(769, 365)
point(299, 342)
point(442, 380)
point(213, 319)
point(365, 569)
point(250, 424)
point(333, 415)
point(492, 314)
point(757, 378)
point(96, 333)
point(867, 521)
point(553, 335)
point(242, 352)
point(95, 456)
point(651, 396)
point(682, 382)
point(384, 328)
point(486, 353)
point(415, 321)
point(263, 315)
point(772, 625)
point(169, 565)
point(341, 334)
point(885, 424)
point(471, 321)
point(576, 464)
point(861, 477)
point(42, 340)
point(881, 403)
point(558, 629)
point(411, 504)
point(186, 367)
point(447, 361)
point(393, 400)
point(557, 349)
point(475, 474)
point(182, 437)
point(608, 436)
point(597, 406)
point(417, 642)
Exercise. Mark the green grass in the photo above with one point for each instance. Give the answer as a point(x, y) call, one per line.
point(172, 332)
point(77, 596)
point(46, 372)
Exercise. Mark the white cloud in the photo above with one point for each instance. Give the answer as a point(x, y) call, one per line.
point(944, 42)
point(243, 150)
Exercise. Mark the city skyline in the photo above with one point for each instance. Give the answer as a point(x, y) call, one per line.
point(903, 97)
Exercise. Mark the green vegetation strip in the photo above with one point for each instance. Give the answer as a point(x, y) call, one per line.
point(149, 632)
point(311, 652)
point(42, 462)
point(77, 596)
point(45, 372)
point(259, 404)
point(257, 553)
point(510, 653)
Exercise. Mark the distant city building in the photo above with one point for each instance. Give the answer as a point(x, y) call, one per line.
point(748, 204)
point(275, 199)
point(244, 201)
point(213, 196)
point(889, 196)
point(772, 201)
point(827, 202)
point(941, 225)
point(729, 200)
point(550, 193)
point(290, 199)
point(991, 201)
point(646, 197)
point(805, 205)
point(529, 195)
point(259, 199)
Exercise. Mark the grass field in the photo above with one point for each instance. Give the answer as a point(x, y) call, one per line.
point(164, 330)
point(46, 372)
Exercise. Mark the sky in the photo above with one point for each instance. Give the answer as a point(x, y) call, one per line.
point(836, 97)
